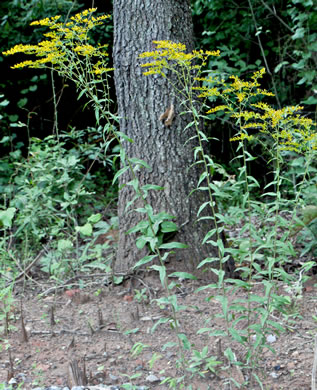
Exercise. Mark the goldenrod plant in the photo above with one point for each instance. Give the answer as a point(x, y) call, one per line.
point(68, 52)
point(260, 250)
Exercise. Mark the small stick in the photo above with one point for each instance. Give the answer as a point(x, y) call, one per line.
point(313, 381)
point(24, 334)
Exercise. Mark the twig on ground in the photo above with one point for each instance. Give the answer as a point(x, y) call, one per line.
point(313, 380)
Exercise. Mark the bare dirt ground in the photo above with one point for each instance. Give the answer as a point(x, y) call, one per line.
point(66, 327)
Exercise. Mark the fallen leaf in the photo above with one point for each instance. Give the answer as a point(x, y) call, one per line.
point(128, 298)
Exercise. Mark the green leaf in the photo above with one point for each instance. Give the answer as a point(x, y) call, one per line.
point(170, 344)
point(85, 230)
point(229, 355)
point(117, 279)
point(119, 173)
point(276, 325)
point(162, 272)
point(144, 260)
point(6, 217)
point(168, 226)
point(162, 217)
point(204, 330)
point(202, 178)
point(97, 114)
point(141, 226)
point(141, 242)
point(310, 100)
point(131, 331)
point(280, 65)
point(236, 336)
point(257, 298)
point(22, 102)
point(208, 235)
point(220, 247)
point(159, 322)
point(184, 340)
point(123, 136)
point(135, 184)
point(299, 33)
point(183, 275)
point(148, 187)
point(5, 139)
point(207, 261)
point(95, 218)
point(153, 242)
point(173, 245)
point(202, 207)
point(81, 93)
point(137, 161)
point(63, 245)
point(224, 303)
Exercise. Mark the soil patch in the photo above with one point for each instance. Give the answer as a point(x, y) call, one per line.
point(107, 330)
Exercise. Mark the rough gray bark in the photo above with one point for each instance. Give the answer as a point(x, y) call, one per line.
point(141, 101)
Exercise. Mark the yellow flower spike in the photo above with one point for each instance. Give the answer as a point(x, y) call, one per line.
point(262, 106)
point(254, 126)
point(264, 92)
point(46, 21)
point(85, 50)
point(215, 53)
point(241, 96)
point(258, 74)
point(20, 49)
point(219, 108)
point(210, 92)
point(170, 45)
point(23, 64)
point(241, 137)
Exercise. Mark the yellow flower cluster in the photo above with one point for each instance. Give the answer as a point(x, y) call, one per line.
point(207, 92)
point(64, 44)
point(170, 54)
point(285, 126)
point(290, 130)
point(241, 89)
point(99, 69)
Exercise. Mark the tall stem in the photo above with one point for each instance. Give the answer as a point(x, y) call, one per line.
point(55, 126)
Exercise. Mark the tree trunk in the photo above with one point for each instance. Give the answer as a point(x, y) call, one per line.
point(141, 101)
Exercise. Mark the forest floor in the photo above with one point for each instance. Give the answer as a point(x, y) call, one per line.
point(102, 326)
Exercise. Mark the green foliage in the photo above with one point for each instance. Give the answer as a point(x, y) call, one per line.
point(48, 186)
point(306, 230)
point(6, 305)
point(18, 14)
point(51, 198)
point(51, 186)
point(78, 251)
point(304, 46)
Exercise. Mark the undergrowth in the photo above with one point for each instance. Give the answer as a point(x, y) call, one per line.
point(51, 185)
